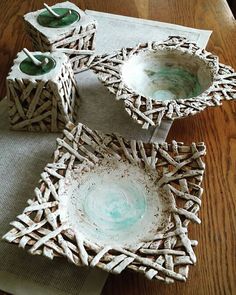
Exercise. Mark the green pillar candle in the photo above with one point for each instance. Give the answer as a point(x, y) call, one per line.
point(46, 19)
point(28, 67)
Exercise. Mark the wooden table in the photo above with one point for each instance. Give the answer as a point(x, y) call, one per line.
point(215, 272)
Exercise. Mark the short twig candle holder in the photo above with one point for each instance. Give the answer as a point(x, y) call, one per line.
point(165, 80)
point(41, 92)
point(116, 204)
point(63, 27)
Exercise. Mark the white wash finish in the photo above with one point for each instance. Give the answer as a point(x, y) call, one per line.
point(42, 103)
point(179, 171)
point(149, 112)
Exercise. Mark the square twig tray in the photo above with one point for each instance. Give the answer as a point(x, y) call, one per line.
point(112, 203)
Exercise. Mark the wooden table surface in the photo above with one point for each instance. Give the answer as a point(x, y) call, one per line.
point(215, 272)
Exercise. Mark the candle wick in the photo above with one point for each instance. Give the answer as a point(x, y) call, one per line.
point(56, 15)
point(35, 60)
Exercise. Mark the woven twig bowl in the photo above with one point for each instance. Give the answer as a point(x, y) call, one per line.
point(115, 204)
point(171, 79)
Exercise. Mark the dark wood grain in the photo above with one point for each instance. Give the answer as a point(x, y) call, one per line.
point(215, 272)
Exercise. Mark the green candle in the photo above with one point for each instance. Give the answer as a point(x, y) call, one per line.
point(28, 67)
point(46, 19)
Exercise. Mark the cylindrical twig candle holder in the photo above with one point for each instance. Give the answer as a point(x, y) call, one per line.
point(63, 27)
point(41, 91)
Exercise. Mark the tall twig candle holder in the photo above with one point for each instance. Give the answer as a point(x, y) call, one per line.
point(63, 27)
point(116, 204)
point(170, 79)
point(41, 92)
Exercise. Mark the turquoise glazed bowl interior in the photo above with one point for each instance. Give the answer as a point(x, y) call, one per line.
point(115, 203)
point(167, 74)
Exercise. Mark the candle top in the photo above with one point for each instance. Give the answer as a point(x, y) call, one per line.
point(48, 66)
point(58, 33)
point(28, 67)
point(46, 19)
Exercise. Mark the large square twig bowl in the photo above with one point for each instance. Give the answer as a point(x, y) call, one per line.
point(165, 80)
point(112, 203)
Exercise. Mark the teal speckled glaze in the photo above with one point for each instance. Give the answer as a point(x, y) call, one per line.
point(166, 75)
point(119, 204)
point(116, 202)
point(173, 83)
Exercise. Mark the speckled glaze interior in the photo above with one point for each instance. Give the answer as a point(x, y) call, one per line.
point(115, 203)
point(167, 74)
